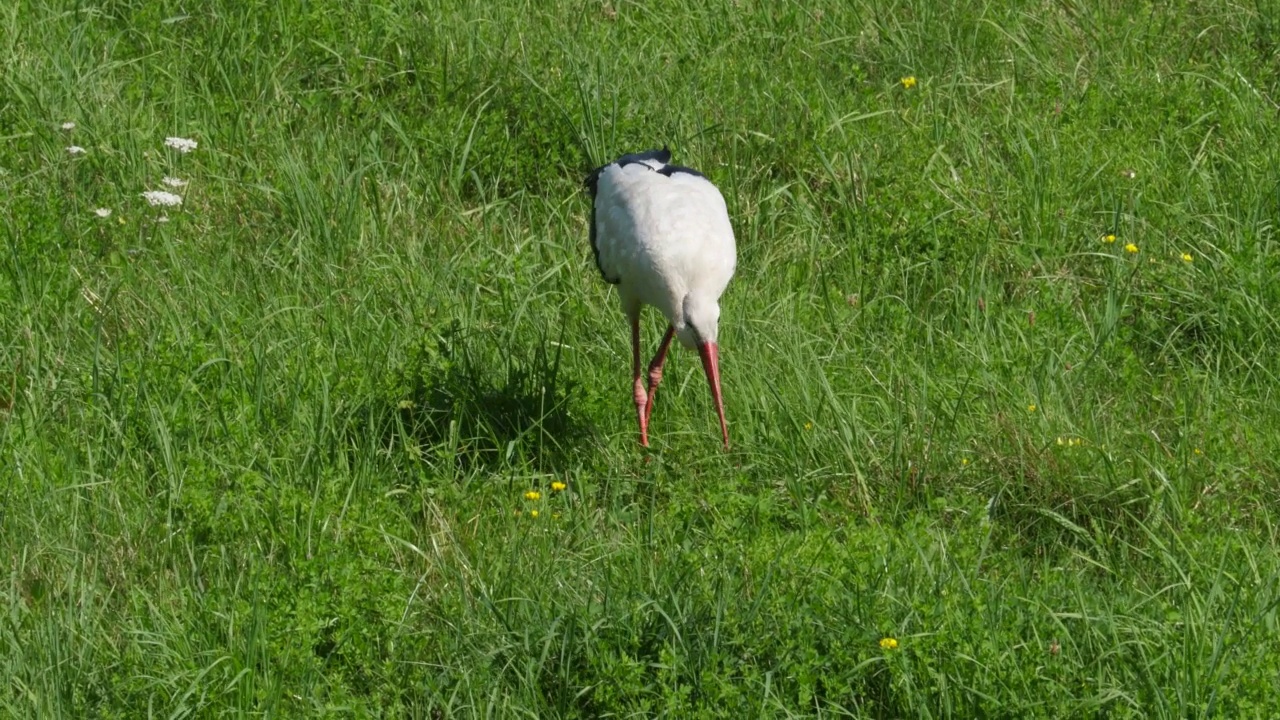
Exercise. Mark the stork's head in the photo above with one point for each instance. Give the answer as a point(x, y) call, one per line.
point(701, 323)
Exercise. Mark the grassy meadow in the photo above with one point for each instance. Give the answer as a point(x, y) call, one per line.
point(348, 433)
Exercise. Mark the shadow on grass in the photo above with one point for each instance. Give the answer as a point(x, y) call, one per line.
point(461, 397)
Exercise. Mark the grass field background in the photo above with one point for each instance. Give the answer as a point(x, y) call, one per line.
point(268, 453)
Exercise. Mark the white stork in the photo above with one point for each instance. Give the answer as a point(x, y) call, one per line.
point(661, 234)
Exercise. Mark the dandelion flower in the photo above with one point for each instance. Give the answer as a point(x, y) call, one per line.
point(68, 125)
point(162, 198)
point(888, 643)
point(173, 182)
point(533, 513)
point(1108, 238)
point(1131, 248)
point(103, 212)
point(558, 486)
point(908, 82)
point(533, 495)
point(1031, 407)
point(1186, 257)
point(76, 150)
point(182, 145)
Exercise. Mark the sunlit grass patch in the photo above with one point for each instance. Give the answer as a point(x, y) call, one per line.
point(311, 401)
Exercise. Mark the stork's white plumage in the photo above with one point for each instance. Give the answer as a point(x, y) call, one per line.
point(661, 234)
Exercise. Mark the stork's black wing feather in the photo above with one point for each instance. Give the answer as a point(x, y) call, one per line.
point(670, 170)
point(663, 156)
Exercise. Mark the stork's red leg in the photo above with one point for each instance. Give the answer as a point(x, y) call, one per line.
point(641, 397)
point(655, 371)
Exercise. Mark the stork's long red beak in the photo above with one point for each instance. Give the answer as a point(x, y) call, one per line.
point(710, 353)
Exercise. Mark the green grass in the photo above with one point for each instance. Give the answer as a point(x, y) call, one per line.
point(270, 457)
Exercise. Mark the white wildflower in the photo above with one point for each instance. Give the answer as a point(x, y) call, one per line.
point(163, 198)
point(75, 150)
point(68, 125)
point(162, 218)
point(182, 145)
point(103, 212)
point(173, 182)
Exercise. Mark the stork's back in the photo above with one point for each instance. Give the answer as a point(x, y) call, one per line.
point(660, 231)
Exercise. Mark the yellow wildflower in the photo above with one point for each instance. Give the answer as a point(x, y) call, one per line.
point(1031, 407)
point(558, 486)
point(1131, 248)
point(1197, 451)
point(888, 643)
point(533, 513)
point(533, 495)
point(964, 461)
point(808, 426)
point(1108, 238)
point(908, 82)
point(1186, 257)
